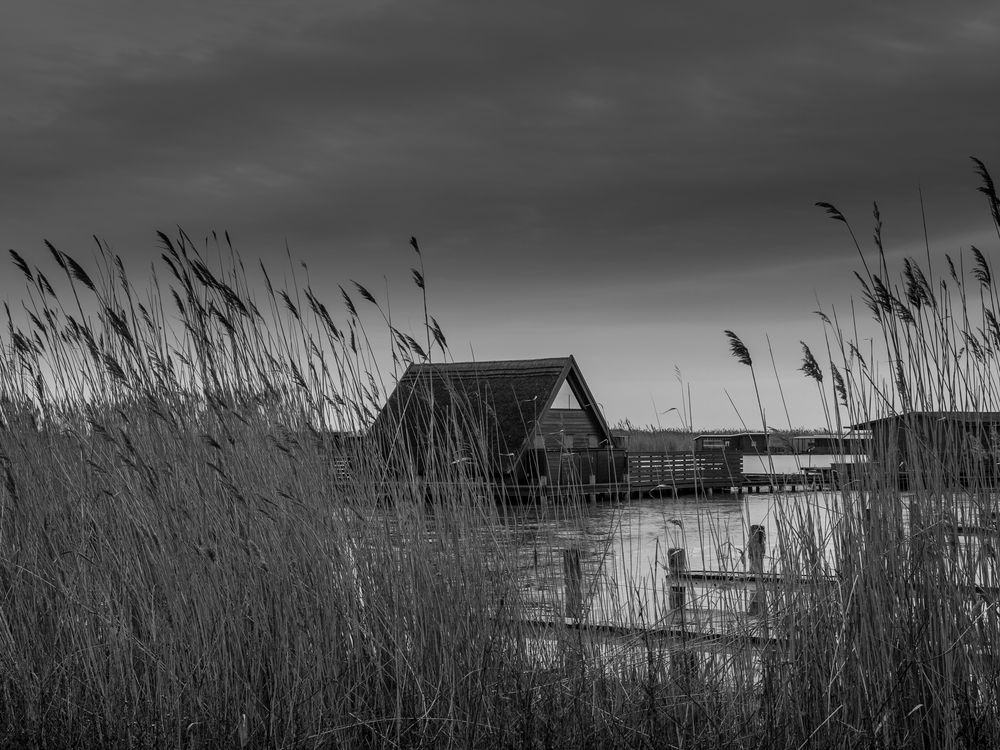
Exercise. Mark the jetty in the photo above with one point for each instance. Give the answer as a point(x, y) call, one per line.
point(666, 474)
point(533, 428)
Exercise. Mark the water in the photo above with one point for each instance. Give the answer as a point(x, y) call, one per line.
point(623, 550)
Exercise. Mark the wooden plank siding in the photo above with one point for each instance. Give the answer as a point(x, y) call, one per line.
point(573, 468)
point(685, 469)
point(570, 429)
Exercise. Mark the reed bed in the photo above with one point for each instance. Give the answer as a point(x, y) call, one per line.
point(204, 543)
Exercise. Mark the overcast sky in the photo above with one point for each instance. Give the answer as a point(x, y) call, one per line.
point(619, 181)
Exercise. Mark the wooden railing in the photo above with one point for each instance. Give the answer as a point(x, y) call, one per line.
point(685, 468)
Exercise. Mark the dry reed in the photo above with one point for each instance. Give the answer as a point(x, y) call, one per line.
point(201, 543)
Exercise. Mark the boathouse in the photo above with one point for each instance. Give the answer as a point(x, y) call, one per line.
point(935, 448)
point(525, 422)
point(855, 442)
point(741, 442)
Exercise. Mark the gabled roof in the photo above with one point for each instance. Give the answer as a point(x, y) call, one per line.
point(506, 397)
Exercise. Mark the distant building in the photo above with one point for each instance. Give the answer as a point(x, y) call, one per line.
point(855, 442)
point(743, 442)
point(935, 448)
point(779, 443)
point(525, 421)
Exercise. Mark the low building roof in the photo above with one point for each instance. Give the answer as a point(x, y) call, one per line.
point(731, 434)
point(852, 433)
point(953, 416)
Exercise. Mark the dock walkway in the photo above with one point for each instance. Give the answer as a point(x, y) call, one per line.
point(674, 473)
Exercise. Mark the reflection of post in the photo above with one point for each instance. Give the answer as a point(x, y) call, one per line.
point(755, 555)
point(574, 583)
point(683, 660)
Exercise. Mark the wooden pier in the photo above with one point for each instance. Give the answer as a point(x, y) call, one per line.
point(665, 474)
point(754, 616)
point(602, 474)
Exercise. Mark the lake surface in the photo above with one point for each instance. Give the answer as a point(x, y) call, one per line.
point(623, 548)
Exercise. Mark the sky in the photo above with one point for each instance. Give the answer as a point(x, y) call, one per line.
point(617, 181)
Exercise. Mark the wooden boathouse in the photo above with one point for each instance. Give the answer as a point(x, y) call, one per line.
point(935, 448)
point(745, 442)
point(855, 442)
point(528, 422)
point(536, 428)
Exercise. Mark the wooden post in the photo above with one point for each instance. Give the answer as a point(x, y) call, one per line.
point(755, 548)
point(755, 553)
point(573, 573)
point(676, 560)
point(593, 489)
point(677, 595)
point(677, 565)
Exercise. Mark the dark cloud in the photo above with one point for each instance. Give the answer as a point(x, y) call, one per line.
point(551, 146)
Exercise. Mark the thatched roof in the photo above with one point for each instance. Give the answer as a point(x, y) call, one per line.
point(504, 398)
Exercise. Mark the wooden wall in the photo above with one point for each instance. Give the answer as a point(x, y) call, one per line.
point(571, 429)
point(562, 468)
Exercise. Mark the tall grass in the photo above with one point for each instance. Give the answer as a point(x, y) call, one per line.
point(203, 544)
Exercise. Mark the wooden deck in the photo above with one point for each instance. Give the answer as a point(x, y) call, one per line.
point(633, 474)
